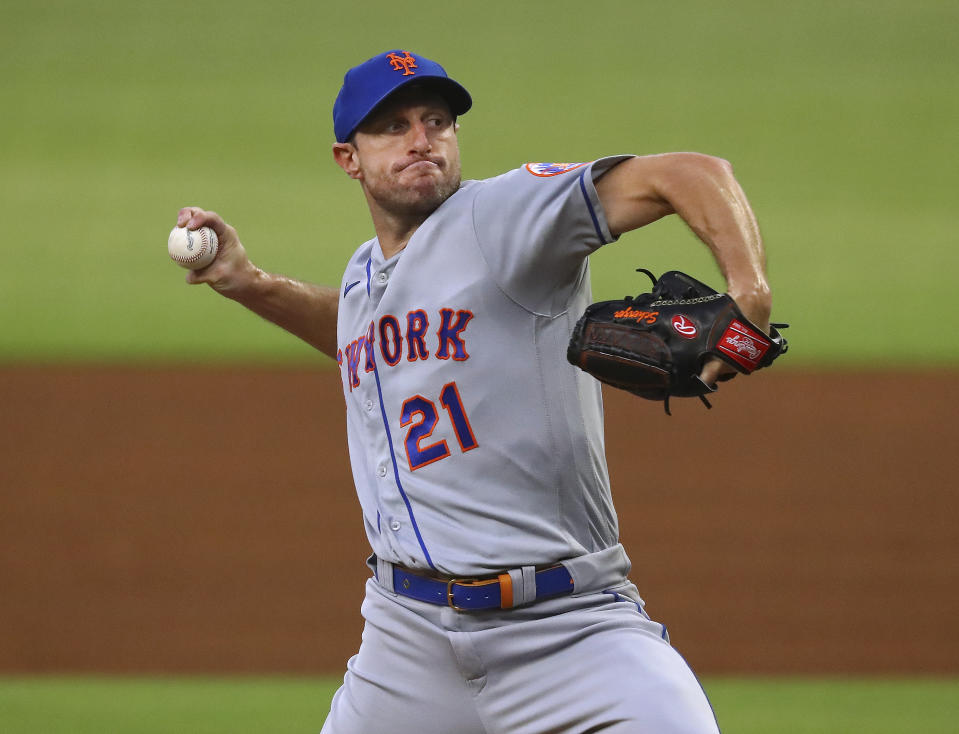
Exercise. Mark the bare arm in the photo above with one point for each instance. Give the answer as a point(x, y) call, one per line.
point(303, 309)
point(703, 191)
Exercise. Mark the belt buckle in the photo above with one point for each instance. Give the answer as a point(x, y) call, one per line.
point(465, 582)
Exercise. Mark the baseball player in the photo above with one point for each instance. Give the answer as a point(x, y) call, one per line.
point(499, 599)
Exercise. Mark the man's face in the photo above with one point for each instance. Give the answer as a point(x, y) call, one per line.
point(406, 154)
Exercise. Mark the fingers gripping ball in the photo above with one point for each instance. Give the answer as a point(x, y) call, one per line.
point(192, 249)
point(655, 344)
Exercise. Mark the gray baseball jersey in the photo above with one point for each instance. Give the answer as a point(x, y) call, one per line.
point(475, 446)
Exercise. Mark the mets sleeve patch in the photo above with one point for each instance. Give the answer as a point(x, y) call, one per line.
point(552, 169)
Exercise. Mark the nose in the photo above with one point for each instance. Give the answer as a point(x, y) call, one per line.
point(420, 139)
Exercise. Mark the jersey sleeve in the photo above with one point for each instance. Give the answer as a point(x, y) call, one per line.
point(536, 225)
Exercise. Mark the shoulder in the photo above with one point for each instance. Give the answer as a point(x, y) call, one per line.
point(546, 186)
point(553, 174)
point(528, 173)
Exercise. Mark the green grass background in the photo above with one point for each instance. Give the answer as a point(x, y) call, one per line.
point(840, 118)
point(292, 705)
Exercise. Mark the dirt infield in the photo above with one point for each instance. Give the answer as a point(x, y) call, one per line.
point(806, 524)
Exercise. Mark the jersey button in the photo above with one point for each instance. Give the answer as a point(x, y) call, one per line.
point(381, 470)
point(381, 278)
point(395, 525)
point(369, 405)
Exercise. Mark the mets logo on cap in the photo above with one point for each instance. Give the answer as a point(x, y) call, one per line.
point(551, 169)
point(405, 63)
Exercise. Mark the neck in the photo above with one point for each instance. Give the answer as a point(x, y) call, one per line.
point(394, 231)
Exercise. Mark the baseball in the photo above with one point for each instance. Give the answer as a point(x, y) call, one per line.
point(193, 249)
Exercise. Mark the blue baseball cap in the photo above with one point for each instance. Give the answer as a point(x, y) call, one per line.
point(369, 84)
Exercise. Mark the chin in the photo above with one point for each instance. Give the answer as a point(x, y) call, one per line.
point(424, 195)
point(423, 203)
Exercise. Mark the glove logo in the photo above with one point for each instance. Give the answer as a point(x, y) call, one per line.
point(631, 314)
point(684, 326)
point(744, 345)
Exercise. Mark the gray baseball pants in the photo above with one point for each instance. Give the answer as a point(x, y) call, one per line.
point(591, 662)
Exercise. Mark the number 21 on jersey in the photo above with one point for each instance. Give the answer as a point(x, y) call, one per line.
point(421, 415)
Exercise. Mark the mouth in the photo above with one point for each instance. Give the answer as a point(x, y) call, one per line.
point(424, 164)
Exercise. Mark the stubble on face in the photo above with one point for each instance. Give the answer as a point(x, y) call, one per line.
point(416, 187)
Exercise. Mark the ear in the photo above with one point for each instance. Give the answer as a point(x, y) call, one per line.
point(346, 157)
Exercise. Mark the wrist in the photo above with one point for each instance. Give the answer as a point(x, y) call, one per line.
point(755, 301)
point(246, 285)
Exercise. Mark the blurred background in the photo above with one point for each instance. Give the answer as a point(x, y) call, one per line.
point(175, 497)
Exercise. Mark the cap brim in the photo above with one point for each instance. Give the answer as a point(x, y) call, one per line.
point(455, 94)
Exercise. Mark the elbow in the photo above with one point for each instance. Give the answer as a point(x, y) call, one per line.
point(685, 170)
point(710, 165)
point(684, 173)
point(724, 167)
